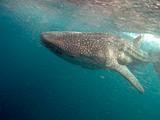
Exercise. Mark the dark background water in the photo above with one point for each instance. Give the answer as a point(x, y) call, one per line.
point(37, 85)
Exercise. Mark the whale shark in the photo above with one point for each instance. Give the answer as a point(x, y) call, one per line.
point(94, 50)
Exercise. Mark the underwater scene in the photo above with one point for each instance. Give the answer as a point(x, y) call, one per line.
point(80, 60)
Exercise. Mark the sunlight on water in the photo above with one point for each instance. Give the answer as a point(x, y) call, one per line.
point(152, 42)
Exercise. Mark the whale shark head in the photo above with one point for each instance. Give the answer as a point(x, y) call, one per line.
point(72, 43)
point(80, 48)
point(54, 41)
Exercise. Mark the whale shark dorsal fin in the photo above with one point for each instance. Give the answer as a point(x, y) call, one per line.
point(123, 70)
point(137, 41)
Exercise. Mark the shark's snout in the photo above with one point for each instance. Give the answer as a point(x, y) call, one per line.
point(43, 36)
point(52, 38)
point(48, 36)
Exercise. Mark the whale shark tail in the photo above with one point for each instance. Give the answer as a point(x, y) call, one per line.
point(157, 67)
point(157, 64)
point(156, 58)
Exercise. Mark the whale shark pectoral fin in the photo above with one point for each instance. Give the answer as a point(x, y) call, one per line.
point(137, 41)
point(123, 70)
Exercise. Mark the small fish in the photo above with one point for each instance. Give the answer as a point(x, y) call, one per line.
point(98, 51)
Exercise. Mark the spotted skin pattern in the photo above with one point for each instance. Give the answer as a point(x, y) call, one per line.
point(97, 51)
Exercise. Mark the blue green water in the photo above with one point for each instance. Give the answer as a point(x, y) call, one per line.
point(35, 84)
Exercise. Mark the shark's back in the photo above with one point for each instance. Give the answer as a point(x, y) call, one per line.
point(88, 43)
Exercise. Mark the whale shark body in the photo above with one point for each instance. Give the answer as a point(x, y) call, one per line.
point(98, 51)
